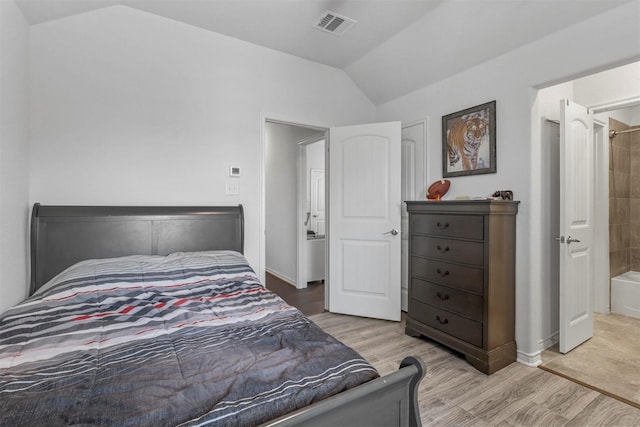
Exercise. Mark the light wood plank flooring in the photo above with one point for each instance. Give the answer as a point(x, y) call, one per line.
point(453, 393)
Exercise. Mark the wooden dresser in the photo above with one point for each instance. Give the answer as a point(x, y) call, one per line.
point(462, 278)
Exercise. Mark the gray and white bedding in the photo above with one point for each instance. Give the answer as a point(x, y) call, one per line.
point(187, 339)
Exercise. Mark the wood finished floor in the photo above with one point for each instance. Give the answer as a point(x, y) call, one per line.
point(453, 393)
point(309, 301)
point(608, 362)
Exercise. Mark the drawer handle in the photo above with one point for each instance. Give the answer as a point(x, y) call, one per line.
point(442, 226)
point(442, 321)
point(443, 250)
point(442, 297)
point(443, 273)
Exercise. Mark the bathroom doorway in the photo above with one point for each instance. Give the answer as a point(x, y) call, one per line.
point(614, 98)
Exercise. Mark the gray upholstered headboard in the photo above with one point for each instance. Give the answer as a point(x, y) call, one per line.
point(64, 235)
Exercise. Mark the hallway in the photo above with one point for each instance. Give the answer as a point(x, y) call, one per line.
point(310, 300)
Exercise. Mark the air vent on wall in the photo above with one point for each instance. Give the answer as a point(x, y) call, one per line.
point(334, 23)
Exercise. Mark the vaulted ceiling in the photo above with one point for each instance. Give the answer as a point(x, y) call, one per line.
point(396, 46)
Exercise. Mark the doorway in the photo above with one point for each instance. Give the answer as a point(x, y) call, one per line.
point(291, 150)
point(596, 92)
point(363, 190)
point(312, 206)
point(599, 352)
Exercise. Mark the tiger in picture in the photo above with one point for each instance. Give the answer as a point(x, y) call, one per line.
point(464, 138)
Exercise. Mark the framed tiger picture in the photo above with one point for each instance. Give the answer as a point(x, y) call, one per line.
point(469, 141)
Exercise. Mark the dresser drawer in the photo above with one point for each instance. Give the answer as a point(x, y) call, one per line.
point(447, 322)
point(464, 303)
point(464, 226)
point(452, 275)
point(448, 249)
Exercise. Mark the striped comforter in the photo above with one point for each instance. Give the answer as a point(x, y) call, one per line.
point(187, 339)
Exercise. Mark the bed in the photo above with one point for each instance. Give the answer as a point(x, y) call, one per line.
point(152, 316)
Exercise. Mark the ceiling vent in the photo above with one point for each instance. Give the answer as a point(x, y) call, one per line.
point(334, 23)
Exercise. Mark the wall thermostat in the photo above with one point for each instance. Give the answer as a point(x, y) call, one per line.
point(234, 171)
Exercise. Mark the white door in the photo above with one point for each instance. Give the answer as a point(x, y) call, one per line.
point(364, 220)
point(577, 149)
point(317, 218)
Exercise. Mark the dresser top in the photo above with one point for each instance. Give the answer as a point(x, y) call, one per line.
point(508, 207)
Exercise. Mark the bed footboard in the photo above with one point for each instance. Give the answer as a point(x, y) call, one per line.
point(391, 400)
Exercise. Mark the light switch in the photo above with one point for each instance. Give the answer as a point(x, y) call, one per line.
point(232, 188)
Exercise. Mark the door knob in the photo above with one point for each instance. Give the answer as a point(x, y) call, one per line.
point(568, 241)
point(393, 232)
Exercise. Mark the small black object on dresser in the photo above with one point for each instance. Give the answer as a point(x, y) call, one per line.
point(462, 278)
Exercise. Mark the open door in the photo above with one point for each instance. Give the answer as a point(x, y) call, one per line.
point(577, 148)
point(364, 220)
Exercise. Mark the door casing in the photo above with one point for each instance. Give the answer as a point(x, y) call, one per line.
point(414, 187)
point(278, 118)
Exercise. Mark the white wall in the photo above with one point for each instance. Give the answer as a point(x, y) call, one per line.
point(132, 108)
point(549, 99)
point(617, 84)
point(281, 193)
point(14, 155)
point(512, 80)
point(629, 116)
point(315, 156)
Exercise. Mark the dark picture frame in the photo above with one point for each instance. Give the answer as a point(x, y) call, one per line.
point(469, 141)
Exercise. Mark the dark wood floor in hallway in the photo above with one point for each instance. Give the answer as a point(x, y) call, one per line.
point(310, 301)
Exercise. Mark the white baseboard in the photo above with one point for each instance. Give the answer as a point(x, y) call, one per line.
point(532, 360)
point(550, 341)
point(282, 277)
point(535, 359)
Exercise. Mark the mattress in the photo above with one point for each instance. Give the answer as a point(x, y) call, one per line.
point(186, 339)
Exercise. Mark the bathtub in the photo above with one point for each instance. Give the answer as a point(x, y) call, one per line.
point(625, 294)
